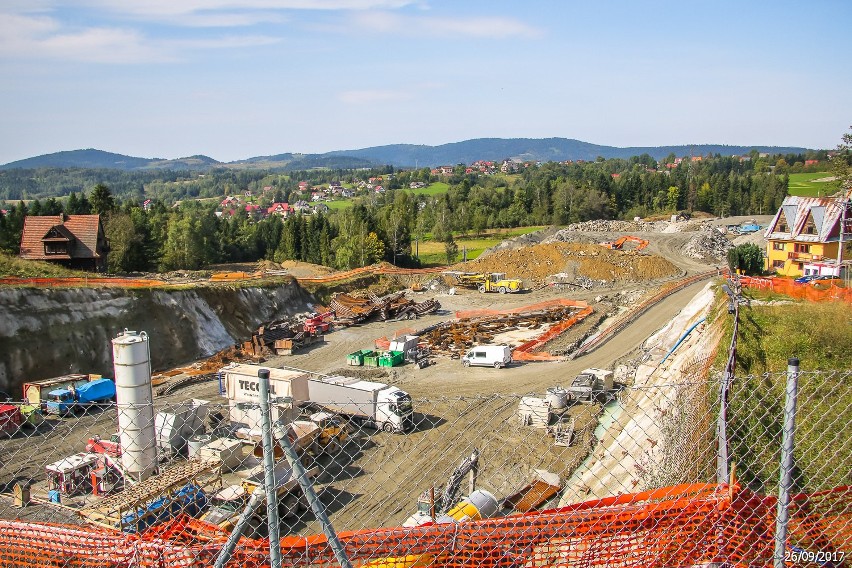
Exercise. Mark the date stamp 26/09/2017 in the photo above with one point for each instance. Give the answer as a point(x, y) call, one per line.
point(818, 556)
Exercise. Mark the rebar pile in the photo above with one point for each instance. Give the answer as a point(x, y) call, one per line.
point(351, 310)
point(453, 338)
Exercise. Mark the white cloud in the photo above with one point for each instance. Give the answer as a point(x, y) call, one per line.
point(372, 96)
point(430, 26)
point(229, 12)
point(42, 37)
point(23, 36)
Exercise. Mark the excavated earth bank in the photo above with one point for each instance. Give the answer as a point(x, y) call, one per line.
point(50, 332)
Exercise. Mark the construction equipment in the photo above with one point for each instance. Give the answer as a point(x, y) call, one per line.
point(64, 400)
point(591, 385)
point(111, 447)
point(618, 244)
point(323, 433)
point(487, 281)
point(543, 486)
point(227, 504)
point(374, 404)
point(10, 419)
point(317, 323)
point(36, 392)
point(431, 506)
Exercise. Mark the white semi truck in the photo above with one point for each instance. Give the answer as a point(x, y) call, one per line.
point(373, 404)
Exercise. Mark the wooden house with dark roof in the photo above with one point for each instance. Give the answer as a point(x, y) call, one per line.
point(74, 241)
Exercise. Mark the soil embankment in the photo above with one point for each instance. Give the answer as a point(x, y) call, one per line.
point(50, 332)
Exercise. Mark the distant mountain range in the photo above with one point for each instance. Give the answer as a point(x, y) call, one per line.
point(397, 155)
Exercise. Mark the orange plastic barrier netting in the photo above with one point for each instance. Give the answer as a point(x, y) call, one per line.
point(808, 291)
point(538, 306)
point(676, 526)
point(75, 282)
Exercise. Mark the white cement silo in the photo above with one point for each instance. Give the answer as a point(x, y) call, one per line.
point(134, 396)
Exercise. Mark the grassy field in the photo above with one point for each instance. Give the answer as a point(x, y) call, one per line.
point(432, 253)
point(14, 266)
point(804, 185)
point(339, 204)
point(820, 335)
point(436, 188)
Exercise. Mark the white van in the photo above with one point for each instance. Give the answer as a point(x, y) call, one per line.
point(488, 356)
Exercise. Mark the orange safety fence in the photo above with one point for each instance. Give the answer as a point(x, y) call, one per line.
point(374, 269)
point(808, 291)
point(674, 526)
point(537, 307)
point(77, 282)
point(527, 351)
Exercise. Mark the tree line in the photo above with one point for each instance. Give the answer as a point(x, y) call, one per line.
point(382, 226)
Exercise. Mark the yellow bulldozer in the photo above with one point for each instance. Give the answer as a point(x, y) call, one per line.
point(487, 281)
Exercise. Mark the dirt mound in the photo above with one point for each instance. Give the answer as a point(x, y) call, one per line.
point(522, 241)
point(537, 262)
point(305, 269)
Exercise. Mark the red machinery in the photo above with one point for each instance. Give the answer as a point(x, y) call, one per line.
point(10, 418)
point(111, 447)
point(316, 324)
point(618, 244)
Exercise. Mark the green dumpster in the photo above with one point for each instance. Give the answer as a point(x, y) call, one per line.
point(391, 359)
point(355, 359)
point(371, 360)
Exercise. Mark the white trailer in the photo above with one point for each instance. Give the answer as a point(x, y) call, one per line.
point(496, 356)
point(242, 387)
point(373, 404)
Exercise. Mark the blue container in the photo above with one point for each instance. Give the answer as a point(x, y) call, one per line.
point(54, 496)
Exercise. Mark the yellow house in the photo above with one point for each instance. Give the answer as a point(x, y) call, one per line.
point(804, 236)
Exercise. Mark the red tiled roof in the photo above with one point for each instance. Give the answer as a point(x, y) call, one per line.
point(85, 229)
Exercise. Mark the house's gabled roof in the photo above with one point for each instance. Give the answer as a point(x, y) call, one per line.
point(81, 230)
point(796, 211)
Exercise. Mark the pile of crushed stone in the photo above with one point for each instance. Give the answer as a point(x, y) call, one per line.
point(708, 244)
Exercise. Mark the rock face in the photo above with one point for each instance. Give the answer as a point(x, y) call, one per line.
point(49, 332)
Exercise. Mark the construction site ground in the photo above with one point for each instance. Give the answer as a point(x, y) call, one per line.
point(378, 477)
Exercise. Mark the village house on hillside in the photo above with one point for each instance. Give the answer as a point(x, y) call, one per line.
point(74, 241)
point(803, 237)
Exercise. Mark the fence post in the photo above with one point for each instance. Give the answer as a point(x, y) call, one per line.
point(269, 472)
point(787, 444)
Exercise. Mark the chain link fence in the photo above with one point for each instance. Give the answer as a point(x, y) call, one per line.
point(625, 477)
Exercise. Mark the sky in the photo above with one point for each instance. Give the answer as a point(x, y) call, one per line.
point(233, 79)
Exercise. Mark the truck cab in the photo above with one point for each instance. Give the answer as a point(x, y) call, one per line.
point(394, 411)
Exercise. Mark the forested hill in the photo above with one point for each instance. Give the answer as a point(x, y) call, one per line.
point(397, 155)
point(537, 149)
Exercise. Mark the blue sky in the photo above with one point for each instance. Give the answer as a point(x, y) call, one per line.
point(233, 79)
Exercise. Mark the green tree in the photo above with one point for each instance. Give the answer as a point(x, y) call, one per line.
point(841, 162)
point(102, 200)
point(451, 248)
point(672, 198)
point(747, 258)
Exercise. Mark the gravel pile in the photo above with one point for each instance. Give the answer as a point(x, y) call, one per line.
point(708, 244)
point(613, 225)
